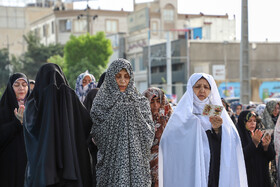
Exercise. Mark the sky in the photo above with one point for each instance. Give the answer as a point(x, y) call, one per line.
point(263, 17)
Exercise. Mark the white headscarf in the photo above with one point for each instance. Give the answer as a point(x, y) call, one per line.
point(184, 154)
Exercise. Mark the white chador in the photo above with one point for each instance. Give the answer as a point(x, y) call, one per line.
point(184, 153)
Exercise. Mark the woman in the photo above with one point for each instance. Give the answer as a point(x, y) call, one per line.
point(238, 110)
point(92, 147)
point(56, 127)
point(12, 148)
point(92, 93)
point(270, 114)
point(122, 130)
point(260, 109)
point(257, 149)
point(197, 150)
point(161, 112)
point(229, 110)
point(85, 82)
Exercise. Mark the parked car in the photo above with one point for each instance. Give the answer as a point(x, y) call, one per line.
point(275, 96)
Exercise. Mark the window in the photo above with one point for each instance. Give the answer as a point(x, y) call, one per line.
point(207, 32)
point(154, 70)
point(141, 64)
point(52, 27)
point(37, 32)
point(111, 26)
point(177, 67)
point(46, 30)
point(154, 28)
point(168, 15)
point(80, 25)
point(162, 69)
point(132, 61)
point(65, 25)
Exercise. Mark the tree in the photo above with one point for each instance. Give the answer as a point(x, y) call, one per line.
point(57, 59)
point(37, 54)
point(86, 52)
point(4, 68)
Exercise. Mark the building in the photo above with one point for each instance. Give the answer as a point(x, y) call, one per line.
point(58, 26)
point(220, 59)
point(15, 22)
point(152, 22)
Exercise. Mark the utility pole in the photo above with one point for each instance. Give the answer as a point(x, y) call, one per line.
point(245, 75)
point(168, 64)
point(149, 60)
point(88, 20)
point(187, 54)
point(88, 16)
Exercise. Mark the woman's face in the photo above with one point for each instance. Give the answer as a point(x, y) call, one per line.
point(122, 79)
point(202, 89)
point(86, 80)
point(20, 88)
point(276, 110)
point(238, 109)
point(251, 124)
point(155, 105)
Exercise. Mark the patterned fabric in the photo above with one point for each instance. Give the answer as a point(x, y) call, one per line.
point(123, 131)
point(160, 122)
point(277, 140)
point(83, 91)
point(268, 120)
point(260, 109)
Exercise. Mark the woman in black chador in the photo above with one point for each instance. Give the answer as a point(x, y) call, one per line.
point(257, 150)
point(12, 149)
point(56, 126)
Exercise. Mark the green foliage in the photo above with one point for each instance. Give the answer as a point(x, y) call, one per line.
point(37, 54)
point(86, 52)
point(57, 59)
point(4, 67)
point(2, 89)
point(17, 65)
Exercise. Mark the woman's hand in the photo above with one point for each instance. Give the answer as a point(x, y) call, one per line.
point(216, 122)
point(266, 141)
point(19, 113)
point(256, 136)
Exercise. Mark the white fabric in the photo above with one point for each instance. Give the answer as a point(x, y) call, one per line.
point(184, 153)
point(198, 107)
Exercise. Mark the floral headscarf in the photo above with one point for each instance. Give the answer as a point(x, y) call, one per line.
point(83, 91)
point(160, 122)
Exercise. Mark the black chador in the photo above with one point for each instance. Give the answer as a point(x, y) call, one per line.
point(12, 149)
point(56, 127)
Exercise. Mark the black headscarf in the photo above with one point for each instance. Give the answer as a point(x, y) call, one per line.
point(101, 80)
point(241, 126)
point(9, 101)
point(12, 149)
point(56, 126)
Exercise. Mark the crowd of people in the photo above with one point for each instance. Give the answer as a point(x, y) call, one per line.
point(107, 133)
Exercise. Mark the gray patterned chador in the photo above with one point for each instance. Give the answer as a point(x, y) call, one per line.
point(123, 131)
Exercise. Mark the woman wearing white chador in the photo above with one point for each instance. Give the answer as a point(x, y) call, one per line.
point(184, 154)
